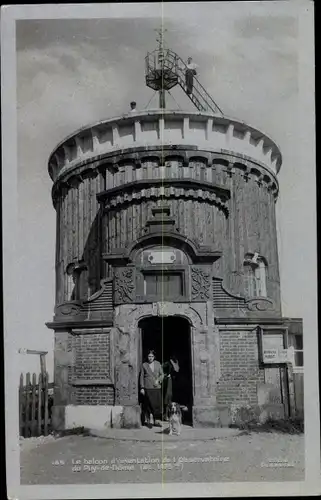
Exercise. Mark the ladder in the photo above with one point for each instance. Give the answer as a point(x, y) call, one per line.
point(199, 97)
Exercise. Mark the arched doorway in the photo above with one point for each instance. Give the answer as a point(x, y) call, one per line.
point(171, 335)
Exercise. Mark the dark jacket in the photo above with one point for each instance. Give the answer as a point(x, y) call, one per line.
point(148, 378)
point(170, 382)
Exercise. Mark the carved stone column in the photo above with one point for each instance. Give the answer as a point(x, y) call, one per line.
point(62, 389)
point(126, 351)
point(204, 376)
point(126, 377)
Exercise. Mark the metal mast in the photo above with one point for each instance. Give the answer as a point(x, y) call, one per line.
point(164, 69)
point(160, 40)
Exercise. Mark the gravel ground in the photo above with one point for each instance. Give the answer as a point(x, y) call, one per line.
point(93, 460)
point(27, 444)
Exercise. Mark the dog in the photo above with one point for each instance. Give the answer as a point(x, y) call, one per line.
point(175, 419)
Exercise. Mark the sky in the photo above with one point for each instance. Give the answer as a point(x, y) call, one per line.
point(73, 72)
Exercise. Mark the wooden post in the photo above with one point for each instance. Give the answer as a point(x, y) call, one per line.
point(291, 390)
point(46, 404)
point(27, 407)
point(21, 405)
point(39, 404)
point(33, 406)
point(43, 363)
point(284, 386)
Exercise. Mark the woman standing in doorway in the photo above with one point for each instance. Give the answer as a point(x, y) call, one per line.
point(151, 377)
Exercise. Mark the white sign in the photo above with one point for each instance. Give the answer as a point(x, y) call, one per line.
point(161, 257)
point(277, 355)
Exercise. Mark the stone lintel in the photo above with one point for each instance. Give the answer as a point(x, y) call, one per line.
point(85, 324)
point(90, 331)
point(250, 321)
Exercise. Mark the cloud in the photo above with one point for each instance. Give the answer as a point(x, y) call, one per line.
point(269, 27)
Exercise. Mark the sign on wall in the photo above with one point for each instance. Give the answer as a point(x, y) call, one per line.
point(274, 346)
point(278, 355)
point(161, 257)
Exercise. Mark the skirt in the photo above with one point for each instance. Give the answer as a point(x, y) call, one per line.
point(153, 403)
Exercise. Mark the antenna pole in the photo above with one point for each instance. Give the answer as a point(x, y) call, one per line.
point(161, 94)
point(160, 40)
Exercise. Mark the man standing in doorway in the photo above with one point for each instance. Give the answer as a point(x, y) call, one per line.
point(170, 392)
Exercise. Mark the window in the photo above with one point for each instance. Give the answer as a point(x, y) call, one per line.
point(254, 276)
point(77, 282)
point(82, 283)
point(76, 275)
point(70, 286)
point(296, 341)
point(163, 285)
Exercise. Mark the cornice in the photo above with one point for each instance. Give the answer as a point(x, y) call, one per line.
point(75, 145)
point(165, 188)
point(232, 162)
point(81, 324)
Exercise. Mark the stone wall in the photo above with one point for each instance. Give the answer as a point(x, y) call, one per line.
point(230, 384)
point(84, 368)
point(92, 356)
point(240, 370)
point(94, 395)
point(92, 365)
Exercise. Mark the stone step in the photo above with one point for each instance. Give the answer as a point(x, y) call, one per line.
point(161, 434)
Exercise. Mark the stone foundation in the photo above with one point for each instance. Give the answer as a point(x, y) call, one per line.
point(211, 416)
point(90, 417)
point(224, 416)
point(129, 417)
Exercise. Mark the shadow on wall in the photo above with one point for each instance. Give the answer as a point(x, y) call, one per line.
point(85, 274)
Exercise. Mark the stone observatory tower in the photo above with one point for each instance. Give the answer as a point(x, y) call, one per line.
point(166, 240)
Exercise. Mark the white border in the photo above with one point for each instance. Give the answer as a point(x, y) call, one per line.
point(312, 483)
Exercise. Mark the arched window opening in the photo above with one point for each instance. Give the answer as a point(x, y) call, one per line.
point(255, 275)
point(77, 282)
point(82, 283)
point(70, 284)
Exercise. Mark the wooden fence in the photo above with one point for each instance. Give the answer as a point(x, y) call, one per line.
point(35, 402)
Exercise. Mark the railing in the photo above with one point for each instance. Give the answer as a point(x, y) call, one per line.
point(35, 402)
point(169, 60)
point(200, 97)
